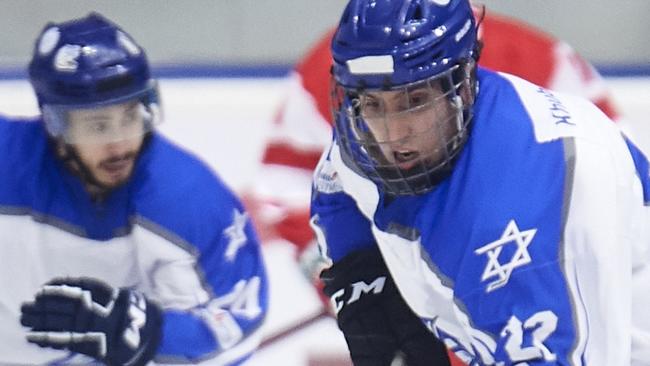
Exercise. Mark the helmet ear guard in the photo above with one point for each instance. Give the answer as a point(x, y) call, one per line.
point(464, 80)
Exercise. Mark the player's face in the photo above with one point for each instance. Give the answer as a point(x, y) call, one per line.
point(410, 126)
point(107, 140)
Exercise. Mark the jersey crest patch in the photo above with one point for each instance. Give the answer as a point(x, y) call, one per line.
point(326, 179)
point(502, 271)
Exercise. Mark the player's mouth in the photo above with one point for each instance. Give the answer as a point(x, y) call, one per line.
point(118, 167)
point(406, 159)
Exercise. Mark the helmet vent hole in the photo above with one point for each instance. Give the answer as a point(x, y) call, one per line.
point(415, 14)
point(114, 83)
point(110, 63)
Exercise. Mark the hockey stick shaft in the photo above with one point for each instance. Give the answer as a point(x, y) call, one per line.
point(294, 328)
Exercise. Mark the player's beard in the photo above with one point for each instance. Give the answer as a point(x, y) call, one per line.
point(97, 187)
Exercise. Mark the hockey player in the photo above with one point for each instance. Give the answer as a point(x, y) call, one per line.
point(117, 246)
point(302, 125)
point(301, 129)
point(511, 218)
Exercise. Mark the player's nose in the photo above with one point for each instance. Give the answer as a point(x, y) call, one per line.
point(399, 128)
point(118, 147)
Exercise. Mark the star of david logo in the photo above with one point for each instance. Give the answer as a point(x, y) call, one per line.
point(235, 233)
point(494, 268)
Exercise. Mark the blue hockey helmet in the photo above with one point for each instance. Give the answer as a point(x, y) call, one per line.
point(384, 43)
point(423, 52)
point(90, 63)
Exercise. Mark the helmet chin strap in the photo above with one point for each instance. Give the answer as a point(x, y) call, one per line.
point(71, 160)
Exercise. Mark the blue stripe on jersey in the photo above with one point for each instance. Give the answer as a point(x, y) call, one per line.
point(345, 228)
point(642, 169)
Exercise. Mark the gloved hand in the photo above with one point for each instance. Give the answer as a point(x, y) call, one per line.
point(84, 315)
point(377, 323)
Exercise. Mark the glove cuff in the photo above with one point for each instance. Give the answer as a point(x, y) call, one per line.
point(154, 326)
point(365, 264)
point(148, 335)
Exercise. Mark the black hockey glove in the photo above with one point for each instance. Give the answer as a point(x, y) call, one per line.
point(378, 325)
point(83, 315)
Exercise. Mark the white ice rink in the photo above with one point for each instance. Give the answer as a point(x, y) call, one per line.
point(224, 121)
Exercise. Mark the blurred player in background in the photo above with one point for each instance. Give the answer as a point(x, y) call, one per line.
point(512, 219)
point(302, 125)
point(117, 246)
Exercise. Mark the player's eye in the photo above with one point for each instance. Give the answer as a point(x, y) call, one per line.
point(371, 107)
point(129, 119)
point(131, 115)
point(418, 98)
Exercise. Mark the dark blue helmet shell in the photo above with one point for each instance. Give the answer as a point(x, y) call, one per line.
point(87, 61)
point(385, 43)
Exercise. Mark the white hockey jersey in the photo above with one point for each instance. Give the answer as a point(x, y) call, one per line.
point(174, 232)
point(534, 251)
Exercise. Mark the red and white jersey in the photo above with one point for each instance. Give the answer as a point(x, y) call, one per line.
point(302, 125)
point(516, 48)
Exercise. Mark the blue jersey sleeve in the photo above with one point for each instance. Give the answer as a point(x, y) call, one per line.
point(216, 295)
point(225, 327)
point(339, 225)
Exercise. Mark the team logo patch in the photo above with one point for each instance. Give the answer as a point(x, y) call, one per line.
point(327, 179)
point(512, 242)
point(66, 58)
